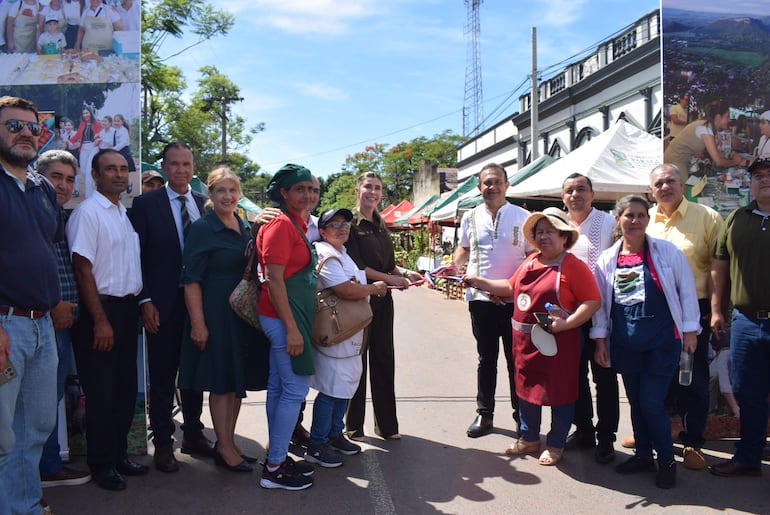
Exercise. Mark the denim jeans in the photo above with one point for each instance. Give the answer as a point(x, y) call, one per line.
point(27, 411)
point(50, 461)
point(561, 420)
point(646, 394)
point(328, 413)
point(750, 353)
point(285, 391)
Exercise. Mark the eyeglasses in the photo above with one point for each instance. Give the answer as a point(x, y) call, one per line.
point(15, 126)
point(336, 224)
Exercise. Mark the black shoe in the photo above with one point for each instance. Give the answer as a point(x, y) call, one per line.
point(164, 459)
point(481, 426)
point(249, 459)
point(219, 461)
point(300, 436)
point(580, 440)
point(604, 453)
point(108, 478)
point(130, 468)
point(666, 477)
point(636, 464)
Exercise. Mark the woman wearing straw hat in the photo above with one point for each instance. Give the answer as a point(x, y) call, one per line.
point(546, 364)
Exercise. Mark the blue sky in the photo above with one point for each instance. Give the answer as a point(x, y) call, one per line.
point(329, 77)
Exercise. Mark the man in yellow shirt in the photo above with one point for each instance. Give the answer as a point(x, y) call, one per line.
point(693, 228)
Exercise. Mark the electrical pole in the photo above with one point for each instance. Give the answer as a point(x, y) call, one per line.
point(534, 98)
point(224, 104)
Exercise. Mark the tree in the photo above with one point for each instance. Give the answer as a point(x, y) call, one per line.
point(166, 117)
point(397, 164)
point(338, 190)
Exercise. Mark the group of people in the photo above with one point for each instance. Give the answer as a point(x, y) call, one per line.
point(47, 28)
point(90, 136)
point(171, 263)
point(633, 292)
point(551, 284)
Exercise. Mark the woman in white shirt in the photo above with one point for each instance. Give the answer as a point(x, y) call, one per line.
point(338, 368)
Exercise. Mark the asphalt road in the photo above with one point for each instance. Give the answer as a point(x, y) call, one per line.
point(435, 468)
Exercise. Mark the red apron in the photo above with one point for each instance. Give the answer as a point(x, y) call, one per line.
point(542, 380)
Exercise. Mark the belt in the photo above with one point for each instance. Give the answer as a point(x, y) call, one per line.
point(762, 314)
point(33, 313)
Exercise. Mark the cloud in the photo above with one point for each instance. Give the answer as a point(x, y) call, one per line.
point(332, 17)
point(561, 12)
point(322, 91)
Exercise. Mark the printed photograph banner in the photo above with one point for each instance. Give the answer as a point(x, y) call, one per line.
point(716, 51)
point(78, 60)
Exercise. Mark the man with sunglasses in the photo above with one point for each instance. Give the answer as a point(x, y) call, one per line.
point(31, 224)
point(740, 261)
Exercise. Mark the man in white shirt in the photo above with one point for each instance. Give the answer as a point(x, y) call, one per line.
point(105, 258)
point(492, 245)
point(595, 228)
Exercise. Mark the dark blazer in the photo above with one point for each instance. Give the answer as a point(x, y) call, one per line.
point(161, 253)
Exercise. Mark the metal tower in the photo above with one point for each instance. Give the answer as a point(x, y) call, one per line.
point(473, 106)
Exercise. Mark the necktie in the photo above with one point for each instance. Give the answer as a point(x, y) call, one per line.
point(185, 214)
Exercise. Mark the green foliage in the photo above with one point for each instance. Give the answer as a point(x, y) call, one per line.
point(338, 190)
point(397, 164)
point(166, 116)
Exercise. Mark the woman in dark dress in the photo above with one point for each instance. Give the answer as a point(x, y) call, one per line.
point(221, 354)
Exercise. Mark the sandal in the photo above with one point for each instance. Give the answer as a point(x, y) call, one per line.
point(521, 448)
point(551, 456)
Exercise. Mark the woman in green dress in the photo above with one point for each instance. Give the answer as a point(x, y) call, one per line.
point(221, 354)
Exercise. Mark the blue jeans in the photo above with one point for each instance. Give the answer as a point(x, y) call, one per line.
point(750, 353)
point(646, 394)
point(561, 420)
point(328, 413)
point(285, 391)
point(50, 461)
point(27, 411)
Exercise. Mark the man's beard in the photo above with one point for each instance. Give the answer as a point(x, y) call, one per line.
point(16, 157)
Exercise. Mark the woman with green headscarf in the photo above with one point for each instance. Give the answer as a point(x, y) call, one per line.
point(286, 309)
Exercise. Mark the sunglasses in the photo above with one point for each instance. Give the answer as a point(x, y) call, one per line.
point(15, 126)
point(336, 224)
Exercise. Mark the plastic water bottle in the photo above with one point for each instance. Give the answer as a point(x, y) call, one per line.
point(556, 311)
point(685, 368)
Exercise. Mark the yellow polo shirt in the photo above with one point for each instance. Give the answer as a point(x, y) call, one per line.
point(694, 229)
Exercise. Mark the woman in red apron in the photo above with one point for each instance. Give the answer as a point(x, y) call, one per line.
point(546, 375)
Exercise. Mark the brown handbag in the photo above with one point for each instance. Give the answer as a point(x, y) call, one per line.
point(245, 297)
point(337, 319)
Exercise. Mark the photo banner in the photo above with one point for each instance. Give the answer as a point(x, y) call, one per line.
point(79, 63)
point(716, 51)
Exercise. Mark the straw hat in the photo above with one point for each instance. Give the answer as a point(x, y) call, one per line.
point(557, 218)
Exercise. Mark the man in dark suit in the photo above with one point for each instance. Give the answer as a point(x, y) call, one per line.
point(160, 217)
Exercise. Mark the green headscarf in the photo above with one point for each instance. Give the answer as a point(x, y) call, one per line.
point(286, 177)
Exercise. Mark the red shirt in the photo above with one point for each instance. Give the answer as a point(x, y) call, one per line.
point(280, 243)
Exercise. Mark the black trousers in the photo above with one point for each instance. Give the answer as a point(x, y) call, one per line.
point(379, 358)
point(108, 379)
point(607, 400)
point(693, 401)
point(491, 323)
point(163, 351)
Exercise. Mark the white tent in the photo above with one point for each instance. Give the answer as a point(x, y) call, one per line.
point(618, 162)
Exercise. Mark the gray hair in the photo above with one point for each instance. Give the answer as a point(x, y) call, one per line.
point(49, 157)
point(667, 166)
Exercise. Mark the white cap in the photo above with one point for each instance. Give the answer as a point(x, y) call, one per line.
point(765, 116)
